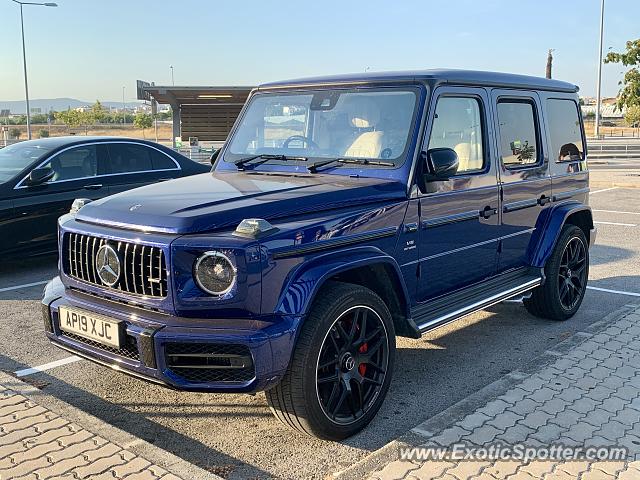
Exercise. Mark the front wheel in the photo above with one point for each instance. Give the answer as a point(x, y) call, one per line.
point(341, 366)
point(567, 271)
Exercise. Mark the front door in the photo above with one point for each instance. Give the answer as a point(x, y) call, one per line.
point(459, 228)
point(524, 172)
point(37, 208)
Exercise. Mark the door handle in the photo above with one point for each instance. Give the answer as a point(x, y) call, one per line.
point(543, 200)
point(411, 227)
point(95, 186)
point(488, 211)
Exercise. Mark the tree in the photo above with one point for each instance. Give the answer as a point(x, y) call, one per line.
point(632, 116)
point(15, 133)
point(142, 120)
point(630, 92)
point(71, 118)
point(39, 118)
point(98, 113)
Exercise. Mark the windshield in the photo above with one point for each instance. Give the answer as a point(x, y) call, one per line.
point(15, 158)
point(359, 123)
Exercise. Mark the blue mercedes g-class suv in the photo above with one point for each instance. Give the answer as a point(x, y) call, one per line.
point(341, 212)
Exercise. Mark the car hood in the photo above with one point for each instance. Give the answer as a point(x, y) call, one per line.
point(210, 201)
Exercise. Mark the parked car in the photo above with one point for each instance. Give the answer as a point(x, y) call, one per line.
point(39, 179)
point(342, 212)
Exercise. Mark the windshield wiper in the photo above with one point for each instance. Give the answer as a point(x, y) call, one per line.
point(265, 158)
point(313, 168)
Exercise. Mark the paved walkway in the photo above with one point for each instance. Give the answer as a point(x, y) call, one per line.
point(588, 397)
point(37, 444)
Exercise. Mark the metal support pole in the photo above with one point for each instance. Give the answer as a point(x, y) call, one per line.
point(175, 112)
point(26, 82)
point(598, 93)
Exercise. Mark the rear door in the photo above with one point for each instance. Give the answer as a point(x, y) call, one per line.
point(524, 172)
point(459, 227)
point(133, 165)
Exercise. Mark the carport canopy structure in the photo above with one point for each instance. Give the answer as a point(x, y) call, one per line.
point(204, 112)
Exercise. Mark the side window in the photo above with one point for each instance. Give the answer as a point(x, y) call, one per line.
point(518, 135)
point(458, 125)
point(565, 130)
point(128, 157)
point(160, 161)
point(75, 163)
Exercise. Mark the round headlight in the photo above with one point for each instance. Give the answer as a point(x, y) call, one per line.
point(215, 274)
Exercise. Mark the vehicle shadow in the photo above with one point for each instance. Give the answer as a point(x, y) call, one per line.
point(136, 424)
point(604, 254)
point(18, 272)
point(448, 364)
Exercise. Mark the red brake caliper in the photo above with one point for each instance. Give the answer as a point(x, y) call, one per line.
point(362, 368)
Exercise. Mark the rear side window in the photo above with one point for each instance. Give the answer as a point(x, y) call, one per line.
point(128, 158)
point(518, 134)
point(565, 130)
point(161, 161)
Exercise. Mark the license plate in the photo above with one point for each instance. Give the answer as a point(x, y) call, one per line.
point(89, 325)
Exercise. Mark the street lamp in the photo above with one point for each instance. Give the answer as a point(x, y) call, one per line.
point(124, 111)
point(24, 57)
point(172, 80)
point(598, 95)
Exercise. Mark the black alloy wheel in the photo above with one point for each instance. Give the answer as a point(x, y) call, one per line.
point(352, 365)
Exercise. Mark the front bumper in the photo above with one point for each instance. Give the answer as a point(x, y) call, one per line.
point(232, 355)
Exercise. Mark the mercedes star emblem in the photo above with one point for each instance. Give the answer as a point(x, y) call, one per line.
point(108, 265)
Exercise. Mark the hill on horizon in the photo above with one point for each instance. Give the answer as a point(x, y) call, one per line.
point(17, 107)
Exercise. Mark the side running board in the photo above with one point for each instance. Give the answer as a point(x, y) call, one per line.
point(428, 317)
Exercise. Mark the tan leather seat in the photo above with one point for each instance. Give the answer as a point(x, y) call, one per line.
point(364, 114)
point(469, 156)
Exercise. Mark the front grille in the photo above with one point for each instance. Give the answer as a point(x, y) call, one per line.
point(143, 267)
point(210, 362)
point(128, 350)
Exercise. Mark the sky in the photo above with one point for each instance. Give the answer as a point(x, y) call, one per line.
point(90, 49)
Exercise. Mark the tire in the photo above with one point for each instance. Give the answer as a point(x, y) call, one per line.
point(560, 297)
point(342, 311)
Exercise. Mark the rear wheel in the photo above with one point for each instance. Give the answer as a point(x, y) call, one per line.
point(341, 366)
point(566, 273)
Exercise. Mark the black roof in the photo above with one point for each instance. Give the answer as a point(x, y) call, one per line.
point(55, 142)
point(436, 76)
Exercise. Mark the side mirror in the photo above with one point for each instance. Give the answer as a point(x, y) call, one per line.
point(214, 156)
point(38, 176)
point(442, 164)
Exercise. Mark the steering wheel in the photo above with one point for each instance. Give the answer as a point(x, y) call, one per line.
point(304, 140)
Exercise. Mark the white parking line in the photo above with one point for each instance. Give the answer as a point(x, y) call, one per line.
point(618, 292)
point(25, 285)
point(616, 223)
point(616, 211)
point(47, 366)
point(604, 190)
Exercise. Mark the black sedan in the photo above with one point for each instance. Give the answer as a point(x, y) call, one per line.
point(39, 179)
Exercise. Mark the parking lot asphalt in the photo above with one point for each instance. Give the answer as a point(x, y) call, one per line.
point(236, 435)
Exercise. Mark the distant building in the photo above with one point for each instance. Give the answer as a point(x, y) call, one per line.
point(607, 111)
